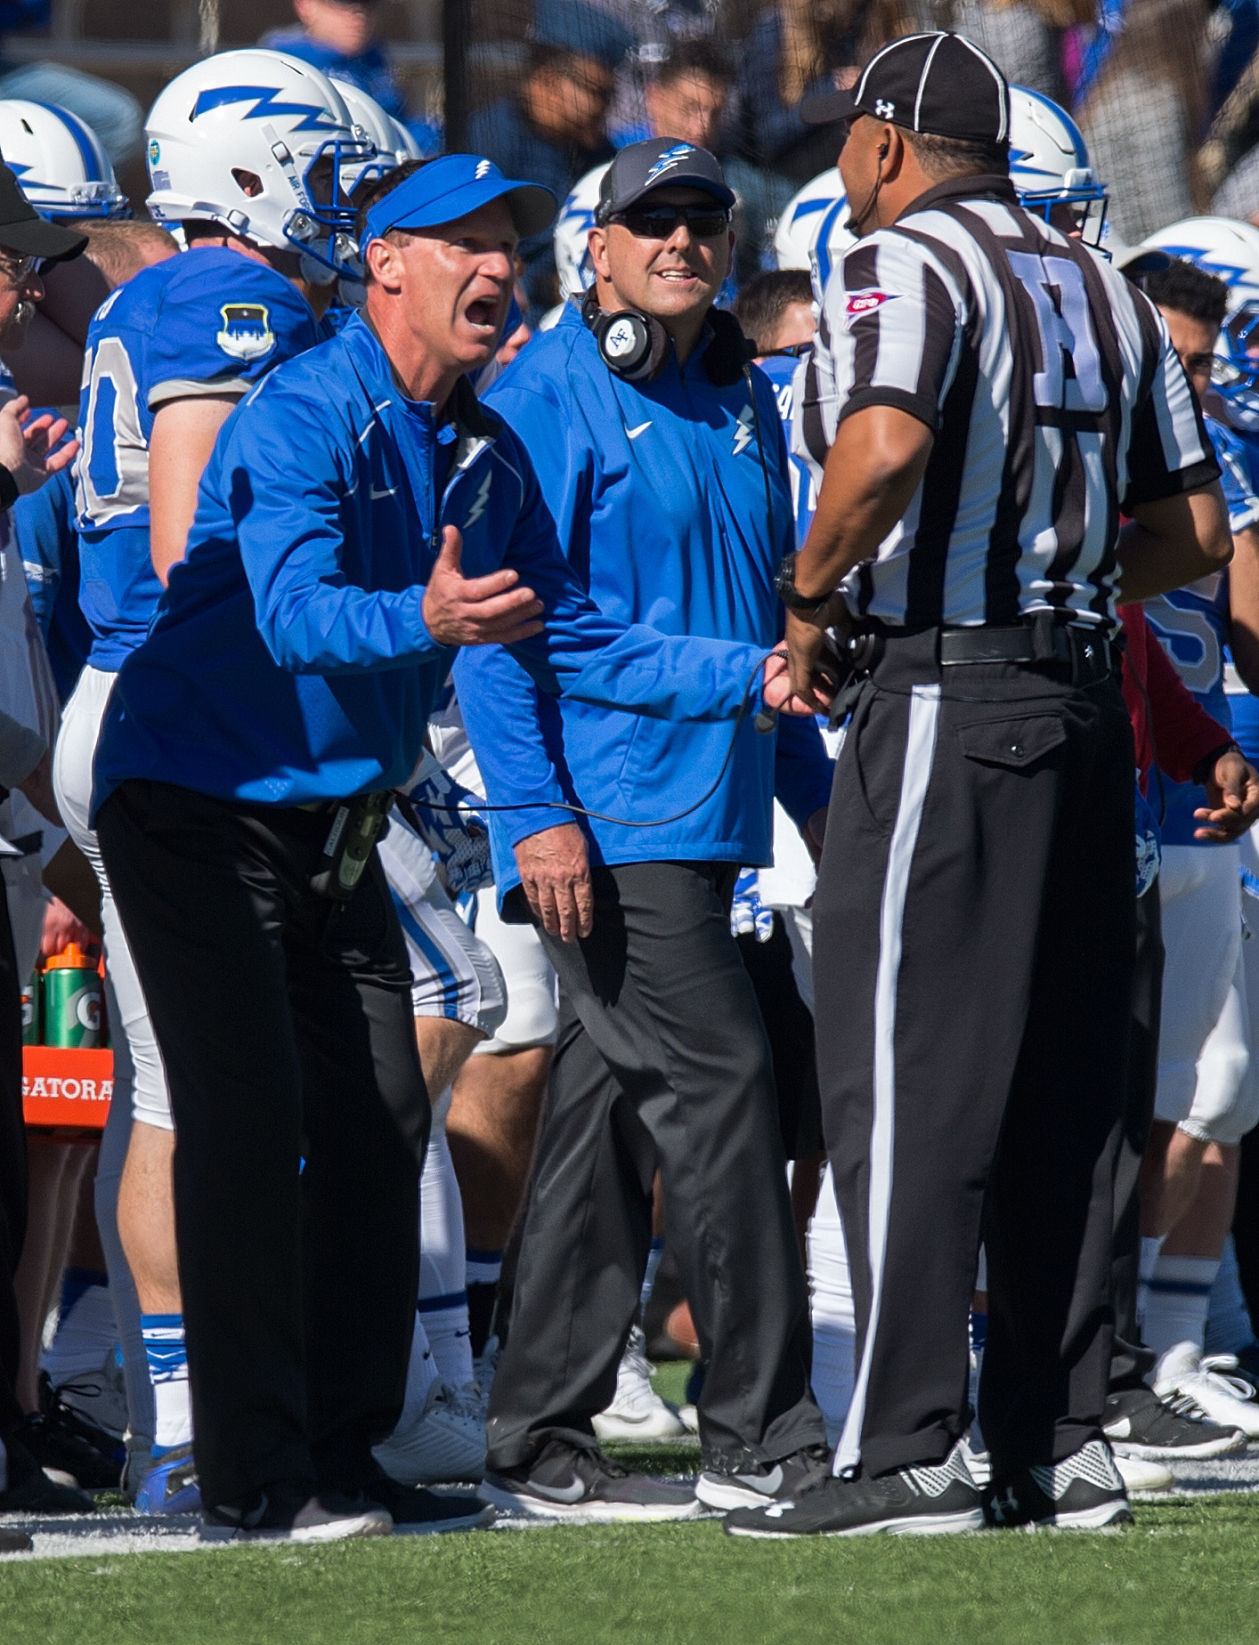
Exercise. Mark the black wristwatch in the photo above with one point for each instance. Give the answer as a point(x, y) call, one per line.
point(785, 583)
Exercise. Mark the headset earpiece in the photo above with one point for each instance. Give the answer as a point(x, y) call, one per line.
point(632, 345)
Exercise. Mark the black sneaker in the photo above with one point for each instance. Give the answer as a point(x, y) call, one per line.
point(1140, 1424)
point(769, 1482)
point(930, 1500)
point(1083, 1492)
point(567, 1482)
point(417, 1512)
point(285, 1512)
point(68, 1456)
point(29, 1489)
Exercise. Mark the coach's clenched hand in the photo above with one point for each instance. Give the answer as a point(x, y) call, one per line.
point(491, 610)
point(555, 874)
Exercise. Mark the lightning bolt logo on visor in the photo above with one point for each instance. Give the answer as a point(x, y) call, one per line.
point(266, 101)
point(669, 159)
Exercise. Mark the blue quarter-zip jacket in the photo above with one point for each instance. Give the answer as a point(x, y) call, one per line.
point(658, 492)
point(289, 661)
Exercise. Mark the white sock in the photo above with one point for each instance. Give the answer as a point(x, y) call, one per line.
point(1150, 1249)
point(168, 1371)
point(421, 1375)
point(1176, 1305)
point(443, 1299)
point(834, 1322)
point(1229, 1327)
point(87, 1332)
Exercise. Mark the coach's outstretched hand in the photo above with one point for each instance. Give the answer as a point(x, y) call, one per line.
point(491, 610)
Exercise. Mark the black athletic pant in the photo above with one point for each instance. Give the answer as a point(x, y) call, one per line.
point(12, 1168)
point(973, 962)
point(286, 1030)
point(1131, 1361)
point(661, 1060)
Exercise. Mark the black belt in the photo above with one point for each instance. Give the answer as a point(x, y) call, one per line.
point(1090, 653)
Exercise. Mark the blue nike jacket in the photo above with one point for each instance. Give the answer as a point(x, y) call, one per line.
point(289, 661)
point(672, 502)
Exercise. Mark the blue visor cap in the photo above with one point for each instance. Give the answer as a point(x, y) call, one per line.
point(452, 186)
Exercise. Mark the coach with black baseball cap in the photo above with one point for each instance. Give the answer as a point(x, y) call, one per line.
point(985, 399)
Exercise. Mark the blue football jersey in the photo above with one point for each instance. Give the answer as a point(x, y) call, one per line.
point(1237, 458)
point(210, 321)
point(781, 371)
point(1192, 625)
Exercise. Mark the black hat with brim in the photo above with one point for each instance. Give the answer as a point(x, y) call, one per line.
point(937, 83)
point(23, 230)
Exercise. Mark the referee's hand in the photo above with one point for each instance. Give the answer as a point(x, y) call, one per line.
point(491, 610)
point(1233, 796)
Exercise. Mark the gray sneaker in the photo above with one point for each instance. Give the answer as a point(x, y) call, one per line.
point(771, 1482)
point(566, 1482)
point(290, 1513)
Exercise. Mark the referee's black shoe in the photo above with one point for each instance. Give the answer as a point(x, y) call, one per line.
point(1083, 1492)
point(579, 1483)
point(756, 1485)
point(932, 1499)
point(1138, 1423)
point(417, 1512)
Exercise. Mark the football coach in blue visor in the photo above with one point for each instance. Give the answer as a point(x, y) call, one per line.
point(361, 517)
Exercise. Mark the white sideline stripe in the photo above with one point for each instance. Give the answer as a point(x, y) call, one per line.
point(920, 741)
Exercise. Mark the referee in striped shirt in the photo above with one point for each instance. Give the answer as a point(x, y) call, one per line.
point(985, 400)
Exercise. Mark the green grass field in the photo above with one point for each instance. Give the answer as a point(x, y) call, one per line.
point(1188, 1572)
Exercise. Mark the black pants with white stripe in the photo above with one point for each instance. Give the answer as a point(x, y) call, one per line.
point(974, 941)
point(662, 1061)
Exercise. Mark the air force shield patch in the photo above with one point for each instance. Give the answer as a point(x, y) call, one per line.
point(246, 333)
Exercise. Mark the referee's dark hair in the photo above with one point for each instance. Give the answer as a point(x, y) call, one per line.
point(1188, 289)
point(942, 157)
point(761, 304)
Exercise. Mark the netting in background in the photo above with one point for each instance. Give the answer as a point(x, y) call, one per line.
point(1167, 91)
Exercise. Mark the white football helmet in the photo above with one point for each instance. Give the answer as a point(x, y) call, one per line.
point(378, 128)
point(58, 161)
point(1229, 249)
point(1050, 165)
point(405, 145)
point(576, 218)
point(813, 230)
point(267, 113)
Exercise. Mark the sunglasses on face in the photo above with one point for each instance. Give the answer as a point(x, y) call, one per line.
point(17, 270)
point(660, 222)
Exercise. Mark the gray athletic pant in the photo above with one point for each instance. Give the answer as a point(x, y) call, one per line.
point(662, 1060)
point(973, 956)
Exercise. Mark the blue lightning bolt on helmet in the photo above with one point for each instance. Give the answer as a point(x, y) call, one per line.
point(813, 230)
point(265, 146)
point(58, 161)
point(1050, 165)
point(1229, 249)
point(576, 219)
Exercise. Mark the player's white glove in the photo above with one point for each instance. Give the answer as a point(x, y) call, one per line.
point(749, 916)
point(451, 825)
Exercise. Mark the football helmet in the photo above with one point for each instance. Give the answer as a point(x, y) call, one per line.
point(576, 218)
point(58, 161)
point(813, 230)
point(1229, 249)
point(1050, 165)
point(265, 113)
point(379, 129)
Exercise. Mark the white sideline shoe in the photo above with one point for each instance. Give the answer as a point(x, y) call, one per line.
point(445, 1443)
point(1225, 1399)
point(637, 1412)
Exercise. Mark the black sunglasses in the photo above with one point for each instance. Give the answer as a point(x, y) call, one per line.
point(660, 222)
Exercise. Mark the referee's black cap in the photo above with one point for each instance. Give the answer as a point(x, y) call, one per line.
point(938, 83)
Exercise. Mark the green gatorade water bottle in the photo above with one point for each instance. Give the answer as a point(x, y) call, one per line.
point(72, 1000)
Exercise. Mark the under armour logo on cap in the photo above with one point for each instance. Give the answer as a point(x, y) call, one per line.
point(938, 83)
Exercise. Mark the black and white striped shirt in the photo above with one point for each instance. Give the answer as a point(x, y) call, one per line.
point(1052, 389)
